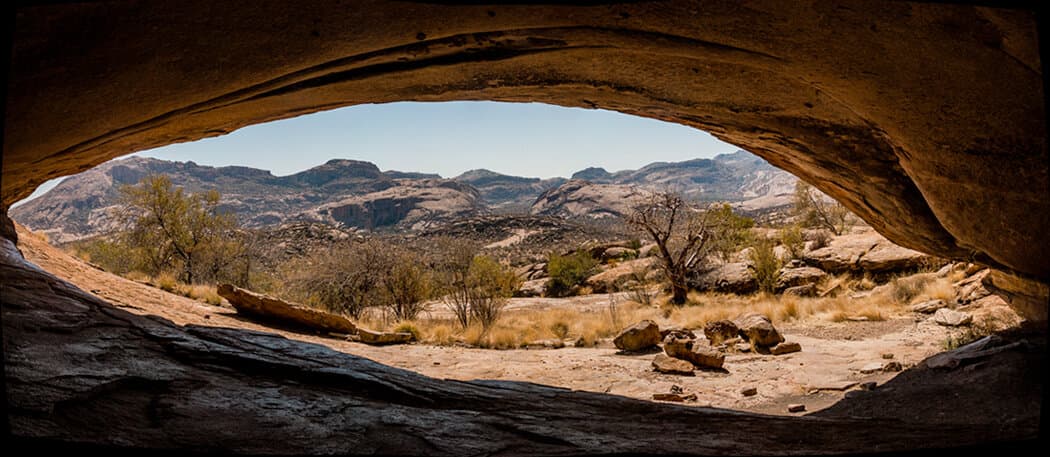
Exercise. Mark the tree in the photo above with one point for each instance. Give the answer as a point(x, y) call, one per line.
point(490, 285)
point(346, 280)
point(814, 209)
point(172, 230)
point(684, 235)
point(406, 282)
point(568, 271)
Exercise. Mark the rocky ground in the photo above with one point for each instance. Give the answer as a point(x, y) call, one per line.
point(836, 358)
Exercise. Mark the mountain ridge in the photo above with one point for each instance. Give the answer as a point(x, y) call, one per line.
point(354, 193)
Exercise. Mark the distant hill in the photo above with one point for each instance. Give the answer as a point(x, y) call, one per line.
point(357, 194)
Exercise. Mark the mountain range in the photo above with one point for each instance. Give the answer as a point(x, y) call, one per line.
point(357, 194)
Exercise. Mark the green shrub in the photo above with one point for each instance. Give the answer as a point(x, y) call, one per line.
point(568, 272)
point(791, 238)
point(766, 264)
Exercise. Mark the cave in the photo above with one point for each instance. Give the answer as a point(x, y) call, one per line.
point(925, 119)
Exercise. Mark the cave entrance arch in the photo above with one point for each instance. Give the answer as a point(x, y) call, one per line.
point(910, 114)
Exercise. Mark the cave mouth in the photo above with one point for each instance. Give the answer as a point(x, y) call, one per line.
point(505, 213)
point(801, 87)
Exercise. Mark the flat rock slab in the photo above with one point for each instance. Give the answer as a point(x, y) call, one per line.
point(666, 364)
point(928, 307)
point(952, 318)
point(265, 306)
point(786, 347)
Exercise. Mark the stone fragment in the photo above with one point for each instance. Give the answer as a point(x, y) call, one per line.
point(749, 391)
point(721, 331)
point(786, 347)
point(952, 318)
point(267, 307)
point(928, 306)
point(695, 352)
point(642, 335)
point(666, 364)
point(796, 408)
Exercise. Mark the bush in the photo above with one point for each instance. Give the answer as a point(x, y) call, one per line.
point(408, 327)
point(407, 284)
point(765, 263)
point(346, 280)
point(821, 238)
point(491, 285)
point(569, 271)
point(166, 281)
point(791, 238)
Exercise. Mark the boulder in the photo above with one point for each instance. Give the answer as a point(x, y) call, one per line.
point(749, 391)
point(643, 335)
point(758, 329)
point(971, 288)
point(533, 288)
point(618, 252)
point(786, 347)
point(805, 290)
point(952, 318)
point(928, 306)
point(670, 365)
point(676, 332)
point(382, 338)
point(794, 277)
point(866, 251)
point(532, 271)
point(267, 307)
point(718, 332)
point(695, 352)
point(735, 278)
point(613, 279)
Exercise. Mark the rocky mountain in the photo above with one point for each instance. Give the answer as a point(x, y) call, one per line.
point(339, 191)
point(505, 193)
point(357, 194)
point(579, 199)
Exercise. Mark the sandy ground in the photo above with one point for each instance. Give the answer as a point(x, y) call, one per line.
point(829, 364)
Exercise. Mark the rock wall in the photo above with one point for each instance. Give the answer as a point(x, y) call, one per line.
point(927, 120)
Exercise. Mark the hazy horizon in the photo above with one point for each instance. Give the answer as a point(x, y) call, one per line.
point(450, 138)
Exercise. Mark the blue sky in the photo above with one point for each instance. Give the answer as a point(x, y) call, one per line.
point(524, 139)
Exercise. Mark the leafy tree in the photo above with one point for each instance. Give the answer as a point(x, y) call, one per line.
point(490, 285)
point(814, 209)
point(685, 235)
point(568, 271)
point(406, 282)
point(186, 233)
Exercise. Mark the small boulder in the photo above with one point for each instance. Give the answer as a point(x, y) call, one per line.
point(670, 365)
point(533, 288)
point(676, 332)
point(786, 347)
point(952, 318)
point(870, 368)
point(749, 391)
point(796, 408)
point(382, 338)
point(928, 306)
point(758, 329)
point(718, 332)
point(793, 277)
point(695, 352)
point(807, 290)
point(637, 337)
point(732, 278)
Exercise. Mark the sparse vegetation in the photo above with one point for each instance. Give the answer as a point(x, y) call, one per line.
point(345, 280)
point(792, 240)
point(568, 272)
point(814, 209)
point(686, 235)
point(765, 263)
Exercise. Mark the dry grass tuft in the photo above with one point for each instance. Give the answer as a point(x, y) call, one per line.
point(166, 282)
point(202, 292)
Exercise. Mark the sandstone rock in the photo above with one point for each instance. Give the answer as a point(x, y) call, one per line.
point(618, 252)
point(265, 306)
point(749, 391)
point(676, 332)
point(870, 368)
point(670, 365)
point(866, 251)
point(695, 352)
point(984, 347)
point(735, 278)
point(758, 330)
point(1029, 298)
point(807, 290)
point(796, 408)
point(533, 288)
point(642, 335)
point(382, 338)
point(971, 288)
point(674, 397)
point(786, 347)
point(719, 331)
point(793, 277)
point(613, 279)
point(952, 318)
point(929, 306)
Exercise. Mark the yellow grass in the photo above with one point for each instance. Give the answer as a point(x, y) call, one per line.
point(586, 327)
